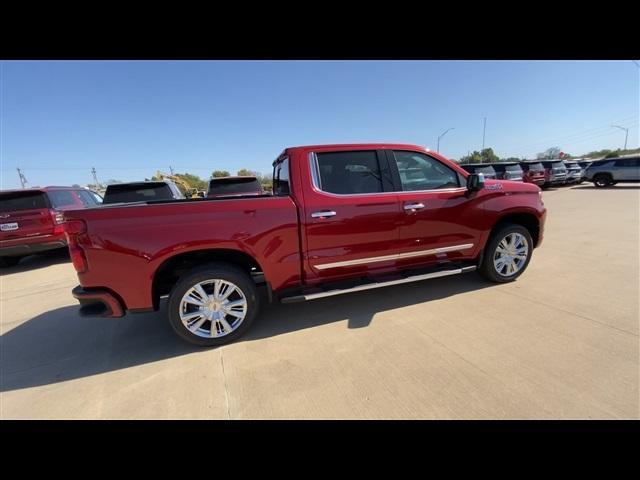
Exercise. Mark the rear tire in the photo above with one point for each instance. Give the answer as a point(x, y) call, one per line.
point(217, 321)
point(507, 254)
point(602, 180)
point(9, 261)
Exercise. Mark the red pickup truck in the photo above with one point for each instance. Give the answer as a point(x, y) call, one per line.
point(342, 218)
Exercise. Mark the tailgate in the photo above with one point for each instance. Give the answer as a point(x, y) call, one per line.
point(24, 214)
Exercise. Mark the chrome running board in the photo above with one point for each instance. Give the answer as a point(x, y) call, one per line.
point(370, 286)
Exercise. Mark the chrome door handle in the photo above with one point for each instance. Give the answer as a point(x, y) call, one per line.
point(323, 213)
point(413, 206)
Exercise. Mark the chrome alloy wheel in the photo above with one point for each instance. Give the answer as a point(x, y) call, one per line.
point(213, 308)
point(511, 254)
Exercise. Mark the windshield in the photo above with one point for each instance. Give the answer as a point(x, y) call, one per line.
point(228, 186)
point(16, 201)
point(536, 167)
point(514, 168)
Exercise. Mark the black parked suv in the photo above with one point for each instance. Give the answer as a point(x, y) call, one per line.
point(610, 171)
point(141, 192)
point(484, 168)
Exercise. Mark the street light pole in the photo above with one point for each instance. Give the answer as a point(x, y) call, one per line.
point(484, 130)
point(442, 135)
point(625, 136)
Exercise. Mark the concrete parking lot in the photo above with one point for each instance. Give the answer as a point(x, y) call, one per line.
point(561, 342)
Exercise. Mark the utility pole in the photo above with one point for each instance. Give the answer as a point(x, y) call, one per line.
point(95, 177)
point(171, 169)
point(484, 129)
point(442, 135)
point(23, 180)
point(625, 136)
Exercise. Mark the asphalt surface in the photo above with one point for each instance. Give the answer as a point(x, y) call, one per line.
point(561, 342)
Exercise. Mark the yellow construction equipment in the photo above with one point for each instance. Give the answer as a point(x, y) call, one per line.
point(190, 191)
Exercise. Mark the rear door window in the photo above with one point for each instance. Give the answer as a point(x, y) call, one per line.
point(17, 201)
point(349, 172)
point(627, 162)
point(87, 198)
point(62, 198)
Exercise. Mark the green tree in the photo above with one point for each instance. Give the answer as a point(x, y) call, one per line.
point(488, 156)
point(220, 173)
point(243, 172)
point(473, 157)
point(549, 154)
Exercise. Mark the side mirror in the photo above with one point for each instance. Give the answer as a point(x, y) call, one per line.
point(475, 182)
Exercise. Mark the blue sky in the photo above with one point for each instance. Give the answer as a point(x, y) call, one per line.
point(131, 118)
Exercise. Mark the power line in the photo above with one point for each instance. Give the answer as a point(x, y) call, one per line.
point(558, 138)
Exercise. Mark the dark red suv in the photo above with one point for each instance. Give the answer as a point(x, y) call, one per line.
point(31, 219)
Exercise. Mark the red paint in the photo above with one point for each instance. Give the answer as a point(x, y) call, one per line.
point(125, 245)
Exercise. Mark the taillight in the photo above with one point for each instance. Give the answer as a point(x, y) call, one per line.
point(73, 229)
point(58, 220)
point(58, 217)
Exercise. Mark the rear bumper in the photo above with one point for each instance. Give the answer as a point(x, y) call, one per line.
point(97, 303)
point(14, 249)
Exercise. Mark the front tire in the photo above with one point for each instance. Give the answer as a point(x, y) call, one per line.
point(213, 305)
point(507, 254)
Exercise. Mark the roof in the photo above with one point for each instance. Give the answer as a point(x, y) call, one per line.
point(234, 177)
point(368, 146)
point(144, 182)
point(42, 189)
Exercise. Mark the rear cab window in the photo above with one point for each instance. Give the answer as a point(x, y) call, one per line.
point(281, 183)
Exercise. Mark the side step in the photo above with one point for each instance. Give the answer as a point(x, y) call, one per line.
point(370, 286)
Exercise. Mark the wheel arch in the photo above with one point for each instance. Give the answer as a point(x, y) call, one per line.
point(170, 270)
point(528, 220)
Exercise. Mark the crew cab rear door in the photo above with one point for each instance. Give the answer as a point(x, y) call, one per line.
point(440, 222)
point(350, 213)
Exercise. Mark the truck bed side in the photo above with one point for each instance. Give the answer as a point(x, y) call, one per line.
point(126, 245)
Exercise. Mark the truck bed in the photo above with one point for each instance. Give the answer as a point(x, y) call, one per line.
point(127, 243)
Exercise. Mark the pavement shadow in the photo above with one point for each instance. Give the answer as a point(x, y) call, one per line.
point(39, 260)
point(614, 187)
point(59, 345)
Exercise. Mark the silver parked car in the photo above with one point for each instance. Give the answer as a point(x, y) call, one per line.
point(574, 172)
point(610, 171)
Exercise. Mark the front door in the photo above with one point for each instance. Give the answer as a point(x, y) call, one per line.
point(440, 221)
